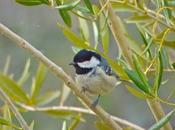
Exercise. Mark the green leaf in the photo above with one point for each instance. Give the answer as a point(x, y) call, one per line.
point(32, 125)
point(104, 33)
point(102, 126)
point(136, 79)
point(138, 19)
point(147, 39)
point(96, 34)
point(7, 64)
point(141, 75)
point(65, 92)
point(47, 97)
point(82, 9)
point(167, 12)
point(12, 89)
point(75, 122)
point(162, 122)
point(59, 113)
point(78, 42)
point(76, 49)
point(134, 45)
point(32, 2)
point(167, 43)
point(25, 74)
point(7, 116)
point(137, 93)
point(83, 27)
point(66, 17)
point(121, 6)
point(64, 127)
point(166, 58)
point(89, 5)
point(159, 72)
point(7, 123)
point(68, 6)
point(38, 81)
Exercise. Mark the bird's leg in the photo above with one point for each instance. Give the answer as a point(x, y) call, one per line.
point(95, 102)
point(83, 89)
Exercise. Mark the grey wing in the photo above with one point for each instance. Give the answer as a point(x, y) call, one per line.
point(108, 70)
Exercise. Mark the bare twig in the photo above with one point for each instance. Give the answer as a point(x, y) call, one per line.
point(80, 110)
point(118, 32)
point(58, 71)
point(18, 116)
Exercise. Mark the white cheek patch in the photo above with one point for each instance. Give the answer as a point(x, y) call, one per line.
point(89, 64)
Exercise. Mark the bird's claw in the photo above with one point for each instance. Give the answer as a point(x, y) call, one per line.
point(95, 103)
point(83, 89)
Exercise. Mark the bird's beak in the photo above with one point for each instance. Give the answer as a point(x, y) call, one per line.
point(72, 63)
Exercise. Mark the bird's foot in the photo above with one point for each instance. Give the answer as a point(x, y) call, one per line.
point(83, 89)
point(95, 102)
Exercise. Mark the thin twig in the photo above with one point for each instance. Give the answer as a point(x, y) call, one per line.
point(18, 116)
point(79, 110)
point(58, 71)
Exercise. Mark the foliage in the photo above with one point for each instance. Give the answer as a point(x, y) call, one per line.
point(155, 23)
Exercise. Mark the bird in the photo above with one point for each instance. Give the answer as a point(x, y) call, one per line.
point(93, 74)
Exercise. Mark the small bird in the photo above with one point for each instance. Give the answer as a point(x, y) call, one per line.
point(93, 74)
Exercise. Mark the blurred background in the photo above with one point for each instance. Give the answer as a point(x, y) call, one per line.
point(37, 25)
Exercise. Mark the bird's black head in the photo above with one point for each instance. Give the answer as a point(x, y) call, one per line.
point(84, 61)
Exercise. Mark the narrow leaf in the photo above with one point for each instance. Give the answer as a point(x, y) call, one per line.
point(64, 127)
point(6, 66)
point(59, 113)
point(39, 79)
point(136, 79)
point(75, 122)
point(138, 19)
point(82, 9)
point(7, 123)
point(89, 5)
point(162, 122)
point(25, 74)
point(73, 37)
point(7, 116)
point(32, 2)
point(142, 76)
point(32, 125)
point(104, 33)
point(137, 93)
point(102, 126)
point(12, 89)
point(121, 6)
point(47, 97)
point(96, 34)
point(83, 27)
point(68, 6)
point(65, 92)
point(66, 17)
point(159, 72)
point(147, 39)
point(168, 43)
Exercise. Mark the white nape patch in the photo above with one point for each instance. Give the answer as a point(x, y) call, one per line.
point(89, 64)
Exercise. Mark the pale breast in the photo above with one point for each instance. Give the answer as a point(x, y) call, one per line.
point(97, 84)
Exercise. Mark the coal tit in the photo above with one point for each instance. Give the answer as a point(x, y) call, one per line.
point(93, 74)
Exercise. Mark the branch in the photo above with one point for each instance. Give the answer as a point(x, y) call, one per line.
point(79, 110)
point(118, 32)
point(58, 71)
point(18, 116)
